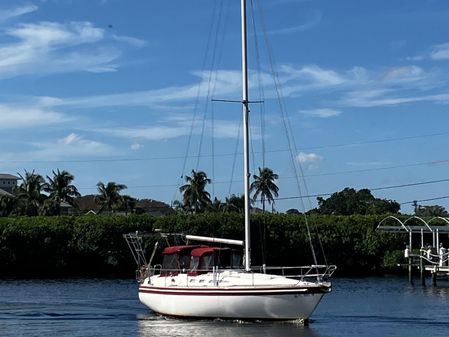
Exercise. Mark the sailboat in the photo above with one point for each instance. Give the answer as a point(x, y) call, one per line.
point(203, 279)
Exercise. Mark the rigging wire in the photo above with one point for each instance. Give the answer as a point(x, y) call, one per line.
point(214, 90)
point(211, 75)
point(234, 160)
point(197, 100)
point(282, 108)
point(262, 227)
point(260, 84)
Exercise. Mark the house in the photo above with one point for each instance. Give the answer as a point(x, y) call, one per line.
point(153, 207)
point(7, 183)
point(87, 205)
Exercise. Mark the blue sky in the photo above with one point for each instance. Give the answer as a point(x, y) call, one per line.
point(111, 90)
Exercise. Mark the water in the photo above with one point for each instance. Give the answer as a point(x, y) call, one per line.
point(96, 307)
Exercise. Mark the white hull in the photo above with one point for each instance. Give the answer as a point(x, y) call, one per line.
point(268, 297)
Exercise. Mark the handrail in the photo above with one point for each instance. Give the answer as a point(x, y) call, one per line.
point(304, 272)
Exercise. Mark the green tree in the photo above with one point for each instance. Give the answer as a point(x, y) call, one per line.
point(234, 203)
point(195, 197)
point(29, 193)
point(60, 188)
point(349, 201)
point(216, 206)
point(178, 206)
point(109, 195)
point(8, 205)
point(264, 185)
point(431, 211)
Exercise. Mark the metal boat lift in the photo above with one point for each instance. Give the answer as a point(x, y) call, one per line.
point(431, 258)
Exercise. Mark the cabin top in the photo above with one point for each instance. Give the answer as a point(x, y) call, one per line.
point(198, 259)
point(180, 249)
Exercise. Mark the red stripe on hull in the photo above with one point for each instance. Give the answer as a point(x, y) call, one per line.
point(232, 292)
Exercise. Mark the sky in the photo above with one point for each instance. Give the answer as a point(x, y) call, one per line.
point(346, 93)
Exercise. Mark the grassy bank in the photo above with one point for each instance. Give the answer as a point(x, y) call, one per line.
point(93, 245)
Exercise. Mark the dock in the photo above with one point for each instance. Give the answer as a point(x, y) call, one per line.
point(431, 257)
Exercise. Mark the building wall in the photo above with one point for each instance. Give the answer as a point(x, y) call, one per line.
point(8, 184)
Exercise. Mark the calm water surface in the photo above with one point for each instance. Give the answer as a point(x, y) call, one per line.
point(96, 307)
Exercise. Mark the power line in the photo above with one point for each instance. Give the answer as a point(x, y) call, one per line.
point(371, 189)
point(433, 162)
point(306, 196)
point(409, 185)
point(375, 141)
point(424, 200)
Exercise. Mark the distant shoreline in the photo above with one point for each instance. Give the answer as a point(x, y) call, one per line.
point(92, 246)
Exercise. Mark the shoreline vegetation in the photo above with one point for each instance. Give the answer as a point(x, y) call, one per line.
point(93, 246)
point(36, 240)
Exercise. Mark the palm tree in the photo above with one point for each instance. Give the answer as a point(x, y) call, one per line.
point(128, 204)
point(265, 186)
point(216, 206)
point(178, 206)
point(29, 192)
point(60, 188)
point(234, 203)
point(195, 196)
point(109, 195)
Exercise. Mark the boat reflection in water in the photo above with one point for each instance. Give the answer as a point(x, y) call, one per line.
point(158, 326)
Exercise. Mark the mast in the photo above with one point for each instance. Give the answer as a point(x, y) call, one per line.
point(245, 103)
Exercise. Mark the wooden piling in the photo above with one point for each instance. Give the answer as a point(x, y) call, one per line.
point(410, 271)
point(434, 277)
point(422, 270)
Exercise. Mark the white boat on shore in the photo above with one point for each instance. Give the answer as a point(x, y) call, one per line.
point(208, 281)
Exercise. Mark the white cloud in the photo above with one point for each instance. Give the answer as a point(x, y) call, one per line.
point(132, 41)
point(70, 139)
point(310, 160)
point(73, 145)
point(49, 47)
point(312, 76)
point(383, 97)
point(6, 14)
point(53, 34)
point(321, 113)
point(394, 86)
point(136, 146)
point(160, 132)
point(357, 87)
point(227, 84)
point(174, 128)
point(70, 147)
point(15, 117)
point(311, 21)
point(437, 53)
point(440, 52)
point(405, 73)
